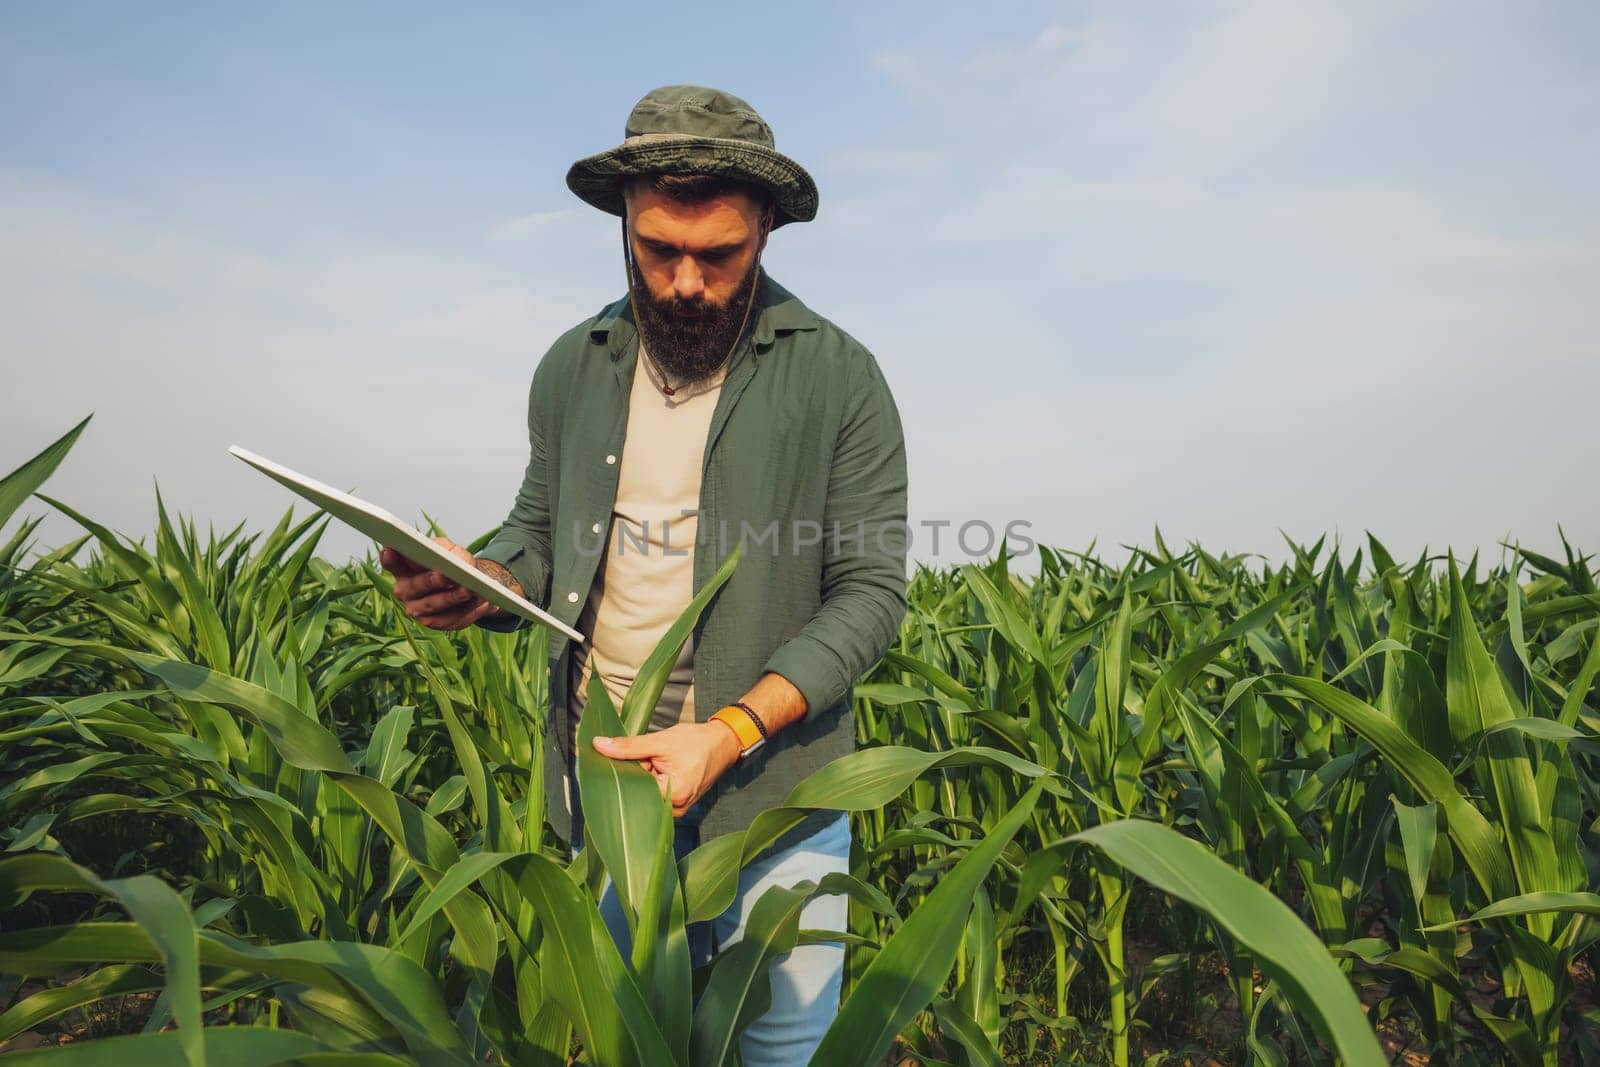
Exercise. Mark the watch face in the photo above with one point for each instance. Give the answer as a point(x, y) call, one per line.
point(753, 747)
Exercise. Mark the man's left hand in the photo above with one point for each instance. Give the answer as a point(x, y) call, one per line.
point(687, 758)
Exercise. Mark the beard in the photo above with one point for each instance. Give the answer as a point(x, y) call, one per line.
point(692, 347)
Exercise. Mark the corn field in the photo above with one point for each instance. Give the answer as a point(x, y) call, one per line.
point(1182, 809)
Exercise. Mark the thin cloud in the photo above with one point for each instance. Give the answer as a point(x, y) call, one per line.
point(523, 224)
point(888, 162)
point(1226, 268)
point(1232, 296)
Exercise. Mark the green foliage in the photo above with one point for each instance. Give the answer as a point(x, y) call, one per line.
point(1312, 796)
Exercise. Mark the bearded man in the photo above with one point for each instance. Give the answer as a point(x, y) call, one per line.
point(707, 405)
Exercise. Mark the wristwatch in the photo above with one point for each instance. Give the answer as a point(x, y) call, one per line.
point(745, 724)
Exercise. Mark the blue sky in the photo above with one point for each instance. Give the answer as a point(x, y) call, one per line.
point(1229, 268)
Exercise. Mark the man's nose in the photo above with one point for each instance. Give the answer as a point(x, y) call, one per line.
point(687, 281)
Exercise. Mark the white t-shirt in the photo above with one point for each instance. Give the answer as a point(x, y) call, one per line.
point(646, 574)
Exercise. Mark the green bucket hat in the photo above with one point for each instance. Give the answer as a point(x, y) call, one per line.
point(690, 129)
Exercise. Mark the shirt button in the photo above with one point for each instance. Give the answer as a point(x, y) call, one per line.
point(611, 459)
point(572, 598)
point(595, 528)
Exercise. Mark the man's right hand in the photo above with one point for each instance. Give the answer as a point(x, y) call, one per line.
point(436, 601)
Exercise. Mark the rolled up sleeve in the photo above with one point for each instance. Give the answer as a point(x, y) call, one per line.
point(865, 543)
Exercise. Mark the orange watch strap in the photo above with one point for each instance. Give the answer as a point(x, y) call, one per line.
point(736, 720)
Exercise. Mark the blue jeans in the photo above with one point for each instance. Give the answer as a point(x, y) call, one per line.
point(805, 981)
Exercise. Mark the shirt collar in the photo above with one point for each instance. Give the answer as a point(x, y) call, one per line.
point(780, 312)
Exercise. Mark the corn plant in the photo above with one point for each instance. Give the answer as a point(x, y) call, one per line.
point(238, 780)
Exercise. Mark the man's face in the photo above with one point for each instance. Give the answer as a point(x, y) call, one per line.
point(693, 270)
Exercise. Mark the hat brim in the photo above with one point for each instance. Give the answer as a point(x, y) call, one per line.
point(598, 179)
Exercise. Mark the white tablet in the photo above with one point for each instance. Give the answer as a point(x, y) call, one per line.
point(404, 538)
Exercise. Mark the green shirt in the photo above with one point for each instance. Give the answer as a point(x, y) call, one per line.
point(804, 464)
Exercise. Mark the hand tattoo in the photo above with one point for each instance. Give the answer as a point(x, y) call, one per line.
point(499, 573)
